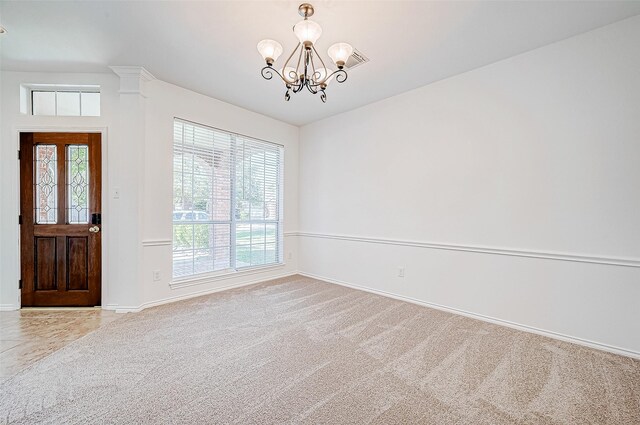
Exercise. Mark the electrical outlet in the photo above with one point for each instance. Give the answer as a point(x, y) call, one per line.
point(156, 275)
point(400, 271)
point(116, 193)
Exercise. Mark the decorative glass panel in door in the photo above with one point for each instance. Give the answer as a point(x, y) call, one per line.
point(46, 184)
point(77, 184)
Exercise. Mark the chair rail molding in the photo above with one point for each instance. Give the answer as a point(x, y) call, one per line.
point(545, 255)
point(156, 242)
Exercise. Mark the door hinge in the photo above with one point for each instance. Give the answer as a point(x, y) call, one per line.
point(20, 284)
point(18, 154)
point(20, 220)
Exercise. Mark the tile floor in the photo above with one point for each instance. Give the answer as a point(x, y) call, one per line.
point(29, 335)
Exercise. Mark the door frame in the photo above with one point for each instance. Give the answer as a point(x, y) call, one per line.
point(106, 233)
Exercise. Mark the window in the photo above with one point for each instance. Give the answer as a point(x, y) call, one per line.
point(67, 102)
point(227, 201)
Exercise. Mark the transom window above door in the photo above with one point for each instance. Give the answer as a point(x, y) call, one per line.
point(60, 100)
point(227, 201)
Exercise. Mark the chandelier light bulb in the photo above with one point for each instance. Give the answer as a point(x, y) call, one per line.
point(270, 50)
point(308, 32)
point(339, 53)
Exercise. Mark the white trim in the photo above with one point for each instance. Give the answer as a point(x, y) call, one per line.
point(513, 325)
point(9, 307)
point(559, 256)
point(133, 71)
point(131, 309)
point(157, 242)
point(215, 277)
point(132, 79)
point(132, 92)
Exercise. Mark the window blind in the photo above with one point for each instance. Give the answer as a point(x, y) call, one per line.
point(227, 204)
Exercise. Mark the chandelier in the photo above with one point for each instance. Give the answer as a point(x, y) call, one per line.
point(310, 72)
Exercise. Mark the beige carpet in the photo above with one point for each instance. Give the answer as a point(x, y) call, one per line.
point(298, 350)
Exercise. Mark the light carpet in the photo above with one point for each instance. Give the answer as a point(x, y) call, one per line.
point(298, 350)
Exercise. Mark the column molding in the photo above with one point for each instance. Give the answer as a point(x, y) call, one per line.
point(127, 172)
point(132, 79)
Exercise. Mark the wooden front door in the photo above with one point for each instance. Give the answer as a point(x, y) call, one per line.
point(60, 207)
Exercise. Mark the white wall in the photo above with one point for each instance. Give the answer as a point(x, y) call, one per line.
point(137, 225)
point(536, 156)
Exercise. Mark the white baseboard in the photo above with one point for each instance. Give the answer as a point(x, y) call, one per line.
point(525, 328)
point(119, 309)
point(9, 307)
point(135, 309)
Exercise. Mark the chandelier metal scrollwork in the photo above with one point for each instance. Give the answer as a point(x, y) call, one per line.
point(310, 71)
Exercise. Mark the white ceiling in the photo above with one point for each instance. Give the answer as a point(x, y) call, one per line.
point(210, 47)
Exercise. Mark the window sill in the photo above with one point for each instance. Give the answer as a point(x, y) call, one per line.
point(223, 275)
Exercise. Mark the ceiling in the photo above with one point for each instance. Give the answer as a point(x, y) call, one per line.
point(210, 47)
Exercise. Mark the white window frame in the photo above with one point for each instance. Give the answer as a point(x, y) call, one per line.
point(28, 89)
point(234, 270)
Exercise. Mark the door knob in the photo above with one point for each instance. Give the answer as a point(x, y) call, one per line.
point(94, 229)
